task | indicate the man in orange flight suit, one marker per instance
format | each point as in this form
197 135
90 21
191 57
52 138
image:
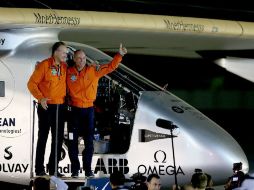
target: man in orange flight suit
82 83
48 85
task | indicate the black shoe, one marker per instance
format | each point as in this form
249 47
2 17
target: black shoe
42 173
89 174
75 175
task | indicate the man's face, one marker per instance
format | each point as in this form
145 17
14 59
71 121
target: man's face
61 53
80 59
154 184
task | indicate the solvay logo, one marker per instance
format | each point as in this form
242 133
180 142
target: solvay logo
8 154
10 166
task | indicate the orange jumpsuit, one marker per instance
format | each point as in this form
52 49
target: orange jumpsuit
82 90
49 81
82 86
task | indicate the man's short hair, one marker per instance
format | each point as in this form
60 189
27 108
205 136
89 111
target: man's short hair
237 166
199 180
41 183
56 46
79 50
117 178
151 176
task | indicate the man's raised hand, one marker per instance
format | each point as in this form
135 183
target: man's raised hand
122 50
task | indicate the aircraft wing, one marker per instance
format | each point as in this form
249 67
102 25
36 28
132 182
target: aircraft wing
158 35
141 33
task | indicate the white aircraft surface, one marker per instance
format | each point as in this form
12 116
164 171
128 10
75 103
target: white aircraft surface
140 133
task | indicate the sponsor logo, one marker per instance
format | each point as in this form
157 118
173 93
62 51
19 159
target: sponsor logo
63 169
111 165
7 122
54 72
106 166
8 154
159 167
12 167
177 109
8 127
194 113
184 27
2 40
56 19
99 184
73 78
147 135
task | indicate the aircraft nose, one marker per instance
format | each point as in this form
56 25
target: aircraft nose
213 149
